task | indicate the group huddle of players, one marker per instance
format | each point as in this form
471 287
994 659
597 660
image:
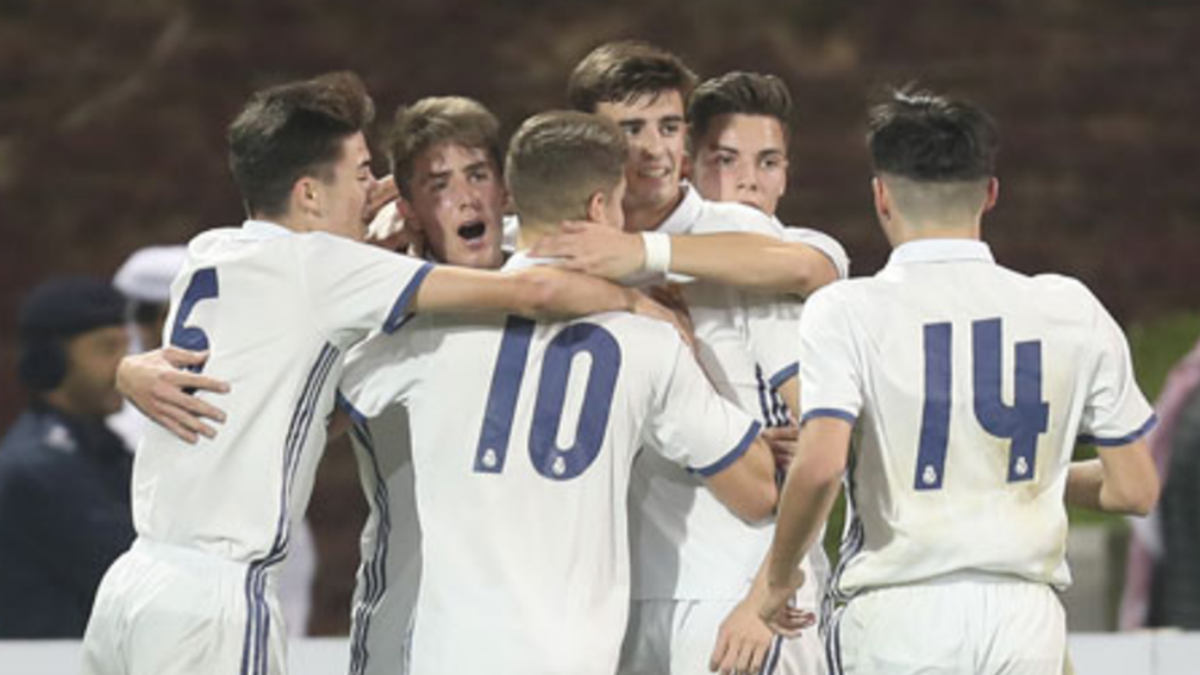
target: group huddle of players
571 475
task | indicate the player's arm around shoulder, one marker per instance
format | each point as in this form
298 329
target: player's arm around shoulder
745 248
536 292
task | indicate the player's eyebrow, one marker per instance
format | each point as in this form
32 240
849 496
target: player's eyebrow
475 166
725 148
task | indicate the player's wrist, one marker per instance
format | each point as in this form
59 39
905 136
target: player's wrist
656 251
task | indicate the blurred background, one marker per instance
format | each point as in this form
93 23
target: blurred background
112 121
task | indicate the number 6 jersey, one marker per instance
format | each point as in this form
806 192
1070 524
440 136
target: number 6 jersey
969 385
523 438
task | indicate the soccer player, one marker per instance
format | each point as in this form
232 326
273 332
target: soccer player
739 132
693 560
276 303
966 387
524 436
446 161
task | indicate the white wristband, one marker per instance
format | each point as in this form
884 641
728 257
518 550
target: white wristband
658 252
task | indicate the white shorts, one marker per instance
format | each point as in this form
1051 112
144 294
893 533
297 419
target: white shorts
677 637
164 609
963 623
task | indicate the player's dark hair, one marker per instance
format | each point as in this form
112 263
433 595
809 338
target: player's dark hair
440 119
618 72
291 131
557 160
925 137
738 93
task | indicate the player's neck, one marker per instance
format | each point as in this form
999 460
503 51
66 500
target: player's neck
902 233
531 232
649 217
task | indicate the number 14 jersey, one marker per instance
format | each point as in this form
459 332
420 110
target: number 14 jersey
969 385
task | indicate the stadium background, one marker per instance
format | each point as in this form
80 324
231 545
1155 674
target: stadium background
112 118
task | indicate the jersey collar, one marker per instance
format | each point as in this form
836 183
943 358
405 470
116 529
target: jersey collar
522 260
686 214
264 229
941 250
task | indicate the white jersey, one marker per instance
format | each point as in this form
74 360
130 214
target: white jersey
385 591
686 544
970 385
276 310
523 438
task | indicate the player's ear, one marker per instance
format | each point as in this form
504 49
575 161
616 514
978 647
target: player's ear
597 204
306 196
883 205
406 210
993 193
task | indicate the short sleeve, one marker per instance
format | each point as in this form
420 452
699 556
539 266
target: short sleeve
692 425
380 372
1116 411
823 243
830 375
356 289
773 327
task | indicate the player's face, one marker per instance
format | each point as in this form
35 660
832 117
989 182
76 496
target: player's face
343 198
92 359
742 158
655 128
458 200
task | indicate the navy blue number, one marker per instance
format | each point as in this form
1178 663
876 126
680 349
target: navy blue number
1028 416
935 418
1022 422
502 400
202 287
548 459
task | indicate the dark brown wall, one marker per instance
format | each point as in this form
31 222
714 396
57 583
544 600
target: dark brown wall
112 117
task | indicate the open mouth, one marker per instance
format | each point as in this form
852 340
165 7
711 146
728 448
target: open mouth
472 231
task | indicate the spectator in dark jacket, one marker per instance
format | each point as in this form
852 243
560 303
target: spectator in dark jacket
64 476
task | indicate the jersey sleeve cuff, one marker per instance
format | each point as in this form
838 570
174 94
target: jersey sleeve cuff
345 404
784 375
1123 440
829 412
732 456
399 313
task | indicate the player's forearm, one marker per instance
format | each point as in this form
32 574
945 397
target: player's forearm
752 261
808 494
558 293
1091 485
804 506
534 292
1085 479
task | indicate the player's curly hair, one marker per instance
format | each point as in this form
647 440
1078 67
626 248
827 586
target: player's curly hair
291 131
618 72
440 119
930 138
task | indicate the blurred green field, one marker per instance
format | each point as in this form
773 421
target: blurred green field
1156 346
